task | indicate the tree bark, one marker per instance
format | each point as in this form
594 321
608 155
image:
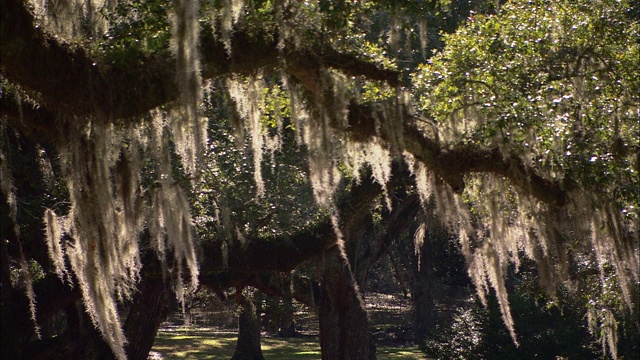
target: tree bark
248 346
68 81
287 324
422 296
344 325
145 316
78 339
85 85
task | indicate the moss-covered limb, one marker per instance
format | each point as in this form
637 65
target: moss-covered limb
272 283
400 218
36 122
280 253
269 255
451 164
248 53
354 66
270 274
69 80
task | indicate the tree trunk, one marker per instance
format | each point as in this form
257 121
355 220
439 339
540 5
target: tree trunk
83 341
145 316
287 323
14 307
248 346
79 339
422 296
344 325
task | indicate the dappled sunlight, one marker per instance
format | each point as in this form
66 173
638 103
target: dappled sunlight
209 343
461 175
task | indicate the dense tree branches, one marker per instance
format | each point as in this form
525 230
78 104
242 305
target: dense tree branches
452 163
288 252
510 150
68 79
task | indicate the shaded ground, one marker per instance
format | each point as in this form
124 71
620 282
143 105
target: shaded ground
212 334
208 343
391 319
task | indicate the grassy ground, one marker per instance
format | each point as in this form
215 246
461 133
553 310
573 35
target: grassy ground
207 343
215 335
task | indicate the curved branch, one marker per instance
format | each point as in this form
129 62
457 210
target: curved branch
69 80
276 284
451 164
285 253
354 66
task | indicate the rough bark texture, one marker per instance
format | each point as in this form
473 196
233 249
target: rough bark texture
344 325
145 315
68 81
248 346
424 310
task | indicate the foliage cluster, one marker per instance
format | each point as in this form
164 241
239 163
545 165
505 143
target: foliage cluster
554 82
549 86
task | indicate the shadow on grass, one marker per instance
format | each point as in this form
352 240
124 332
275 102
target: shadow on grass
199 343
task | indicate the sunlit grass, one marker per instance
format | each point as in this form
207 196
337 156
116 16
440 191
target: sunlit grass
404 353
194 343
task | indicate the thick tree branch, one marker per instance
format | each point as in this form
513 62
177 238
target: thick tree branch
285 253
274 284
451 164
402 216
352 65
68 80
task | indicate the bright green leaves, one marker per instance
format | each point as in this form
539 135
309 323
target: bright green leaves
137 28
555 83
373 91
226 205
276 107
